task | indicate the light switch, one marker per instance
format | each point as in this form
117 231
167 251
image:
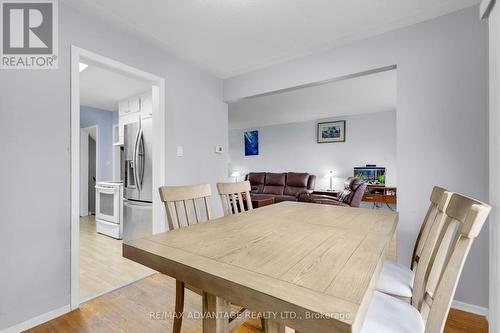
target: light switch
180 151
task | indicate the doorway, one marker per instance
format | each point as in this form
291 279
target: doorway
89 136
97 153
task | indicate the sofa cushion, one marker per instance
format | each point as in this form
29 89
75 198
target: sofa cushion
257 196
275 183
257 180
295 191
296 183
277 179
297 179
273 189
326 200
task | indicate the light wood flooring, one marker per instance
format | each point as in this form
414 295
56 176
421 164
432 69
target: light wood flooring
133 309
102 267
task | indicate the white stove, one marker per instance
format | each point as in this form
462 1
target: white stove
109 212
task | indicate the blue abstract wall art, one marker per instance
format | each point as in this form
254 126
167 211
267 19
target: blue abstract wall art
251 143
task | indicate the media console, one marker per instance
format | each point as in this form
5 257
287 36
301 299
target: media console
380 194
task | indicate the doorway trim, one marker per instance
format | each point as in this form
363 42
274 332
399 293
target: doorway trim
159 152
489 11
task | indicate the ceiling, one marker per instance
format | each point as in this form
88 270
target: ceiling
102 88
230 37
364 94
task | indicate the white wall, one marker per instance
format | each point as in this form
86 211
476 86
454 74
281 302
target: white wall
370 139
442 116
35 136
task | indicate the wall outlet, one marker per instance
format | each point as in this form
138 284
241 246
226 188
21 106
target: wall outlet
180 151
219 149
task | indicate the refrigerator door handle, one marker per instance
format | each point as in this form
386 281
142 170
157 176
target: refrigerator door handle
141 158
136 164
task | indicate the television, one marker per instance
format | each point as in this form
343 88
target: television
371 174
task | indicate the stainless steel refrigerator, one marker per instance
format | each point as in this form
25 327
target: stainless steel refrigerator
138 188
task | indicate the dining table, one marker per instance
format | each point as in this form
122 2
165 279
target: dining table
301 266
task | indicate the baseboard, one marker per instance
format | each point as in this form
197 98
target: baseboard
30 323
43 318
479 310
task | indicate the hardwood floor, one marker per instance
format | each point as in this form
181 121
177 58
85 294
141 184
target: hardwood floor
465 322
144 307
102 266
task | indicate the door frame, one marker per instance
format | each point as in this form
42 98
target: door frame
86 156
489 11
159 152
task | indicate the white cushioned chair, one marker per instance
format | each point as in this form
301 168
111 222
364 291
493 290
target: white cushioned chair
461 220
397 279
388 314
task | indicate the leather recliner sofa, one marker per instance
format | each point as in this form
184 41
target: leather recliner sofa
287 186
351 196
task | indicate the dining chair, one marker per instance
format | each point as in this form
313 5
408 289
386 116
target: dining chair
462 220
185 206
397 279
234 196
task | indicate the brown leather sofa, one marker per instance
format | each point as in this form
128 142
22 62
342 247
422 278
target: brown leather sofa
287 186
351 196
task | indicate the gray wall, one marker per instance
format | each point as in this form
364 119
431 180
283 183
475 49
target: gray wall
104 120
35 146
442 117
370 139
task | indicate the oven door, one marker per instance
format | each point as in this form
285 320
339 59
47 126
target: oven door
107 203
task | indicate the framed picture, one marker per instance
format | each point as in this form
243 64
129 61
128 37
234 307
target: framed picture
331 131
251 143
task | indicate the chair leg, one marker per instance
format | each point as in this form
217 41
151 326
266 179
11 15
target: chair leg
179 306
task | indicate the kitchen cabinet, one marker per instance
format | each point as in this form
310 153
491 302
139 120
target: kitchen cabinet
123 107
130 111
147 105
134 104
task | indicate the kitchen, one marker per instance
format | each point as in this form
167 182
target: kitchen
115 176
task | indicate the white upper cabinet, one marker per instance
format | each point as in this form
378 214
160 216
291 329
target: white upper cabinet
134 104
130 110
123 107
146 105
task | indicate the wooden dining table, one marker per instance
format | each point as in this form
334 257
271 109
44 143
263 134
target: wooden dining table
309 267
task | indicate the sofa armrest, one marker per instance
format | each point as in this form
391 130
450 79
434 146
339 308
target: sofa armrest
304 196
338 203
304 192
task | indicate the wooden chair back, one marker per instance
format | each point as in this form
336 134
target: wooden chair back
462 219
184 204
436 196
425 260
233 196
